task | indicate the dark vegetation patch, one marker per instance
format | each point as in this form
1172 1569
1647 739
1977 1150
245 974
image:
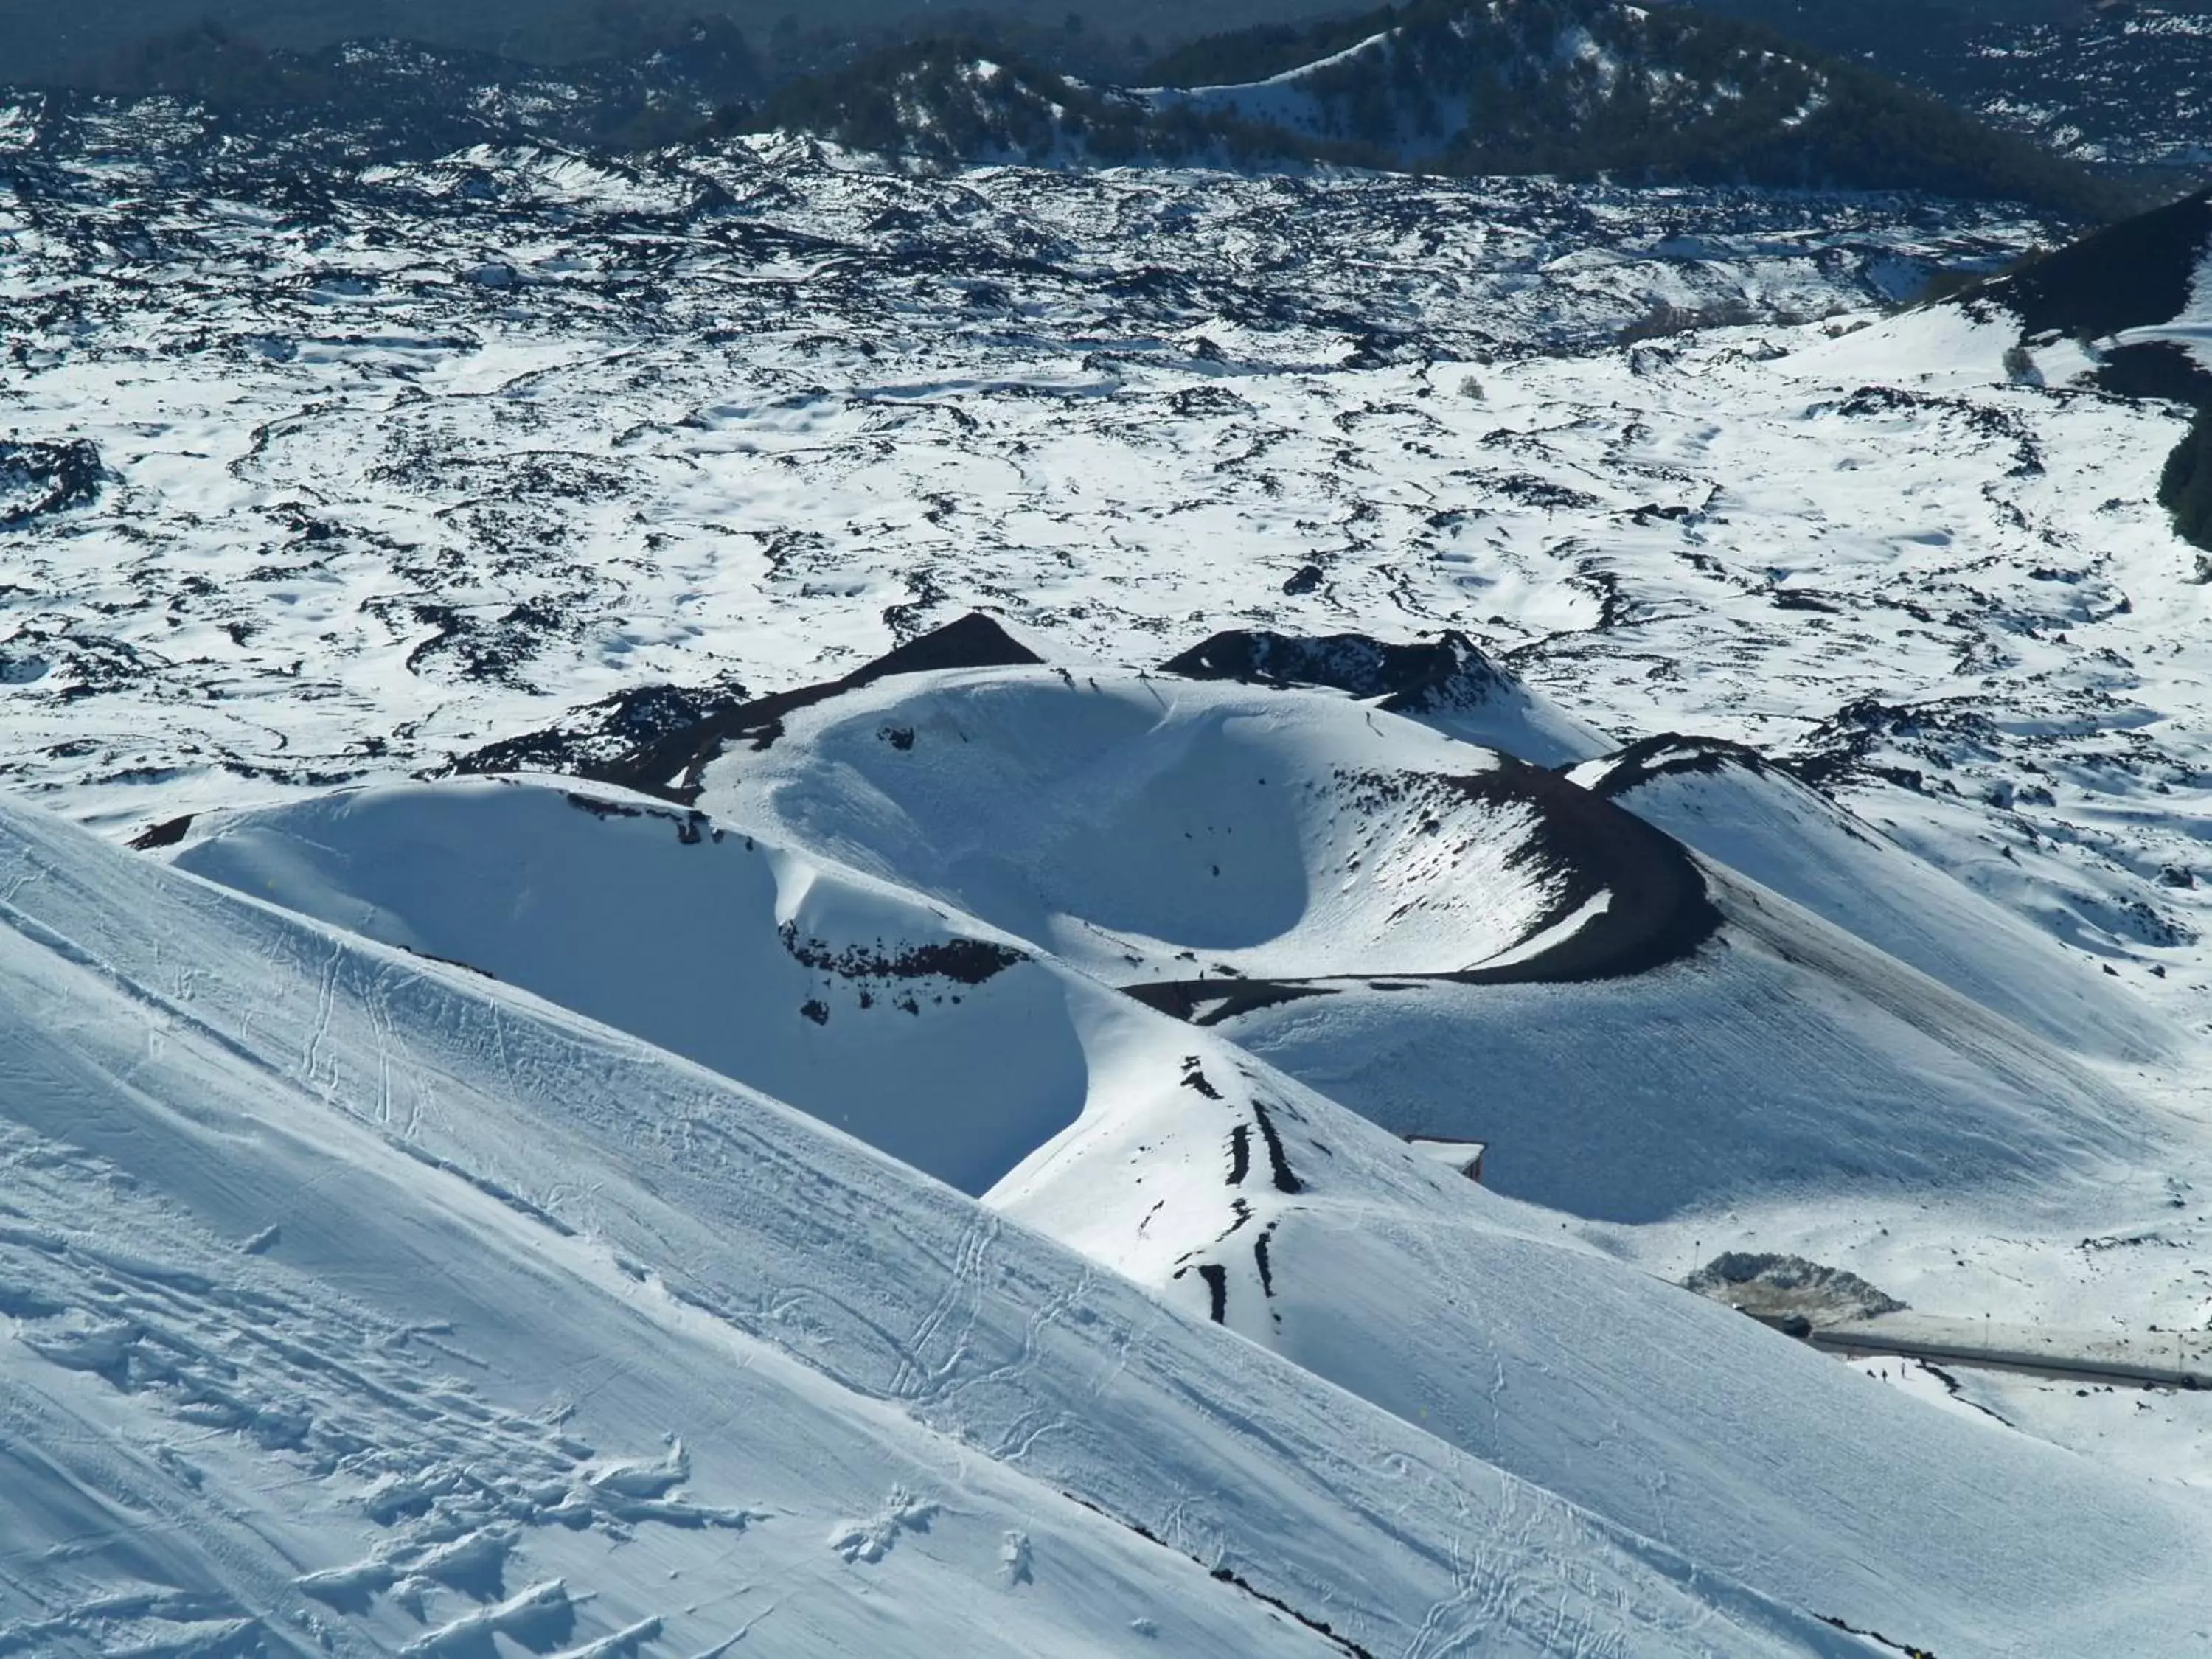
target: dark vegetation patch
963 961
2185 488
1696 98
1457 86
2134 273
633 75
2157 369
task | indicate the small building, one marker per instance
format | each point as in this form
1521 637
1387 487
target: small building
1464 1156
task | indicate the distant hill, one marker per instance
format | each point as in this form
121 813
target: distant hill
73 45
950 101
1584 87
1577 88
2128 310
2116 84
404 97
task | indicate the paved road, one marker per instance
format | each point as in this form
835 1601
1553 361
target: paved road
2169 1359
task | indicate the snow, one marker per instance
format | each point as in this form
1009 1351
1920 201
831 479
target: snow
643 1273
514 1249
1317 1205
1155 821
1765 825
595 899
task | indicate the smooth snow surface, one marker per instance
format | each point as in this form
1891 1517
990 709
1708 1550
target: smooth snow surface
1244 1198
1766 825
359 1305
1152 826
1786 1060
851 999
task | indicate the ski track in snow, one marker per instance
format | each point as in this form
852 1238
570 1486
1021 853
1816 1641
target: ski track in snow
819 1326
748 418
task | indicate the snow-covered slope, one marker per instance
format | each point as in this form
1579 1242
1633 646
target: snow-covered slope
851 999
1164 829
1785 1061
1244 1197
1412 1288
1729 804
1347 892
319 474
359 1304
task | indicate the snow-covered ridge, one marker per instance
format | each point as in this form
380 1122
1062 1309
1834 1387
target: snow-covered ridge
1244 1197
396 1379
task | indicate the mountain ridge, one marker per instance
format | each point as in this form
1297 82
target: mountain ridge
1577 88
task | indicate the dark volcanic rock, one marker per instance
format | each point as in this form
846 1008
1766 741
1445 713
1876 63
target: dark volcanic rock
1787 1284
601 733
40 479
1658 908
670 765
1427 678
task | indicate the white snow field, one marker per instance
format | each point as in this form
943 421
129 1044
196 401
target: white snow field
358 1304
1728 803
1147 826
1165 1154
795 1155
1222 835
